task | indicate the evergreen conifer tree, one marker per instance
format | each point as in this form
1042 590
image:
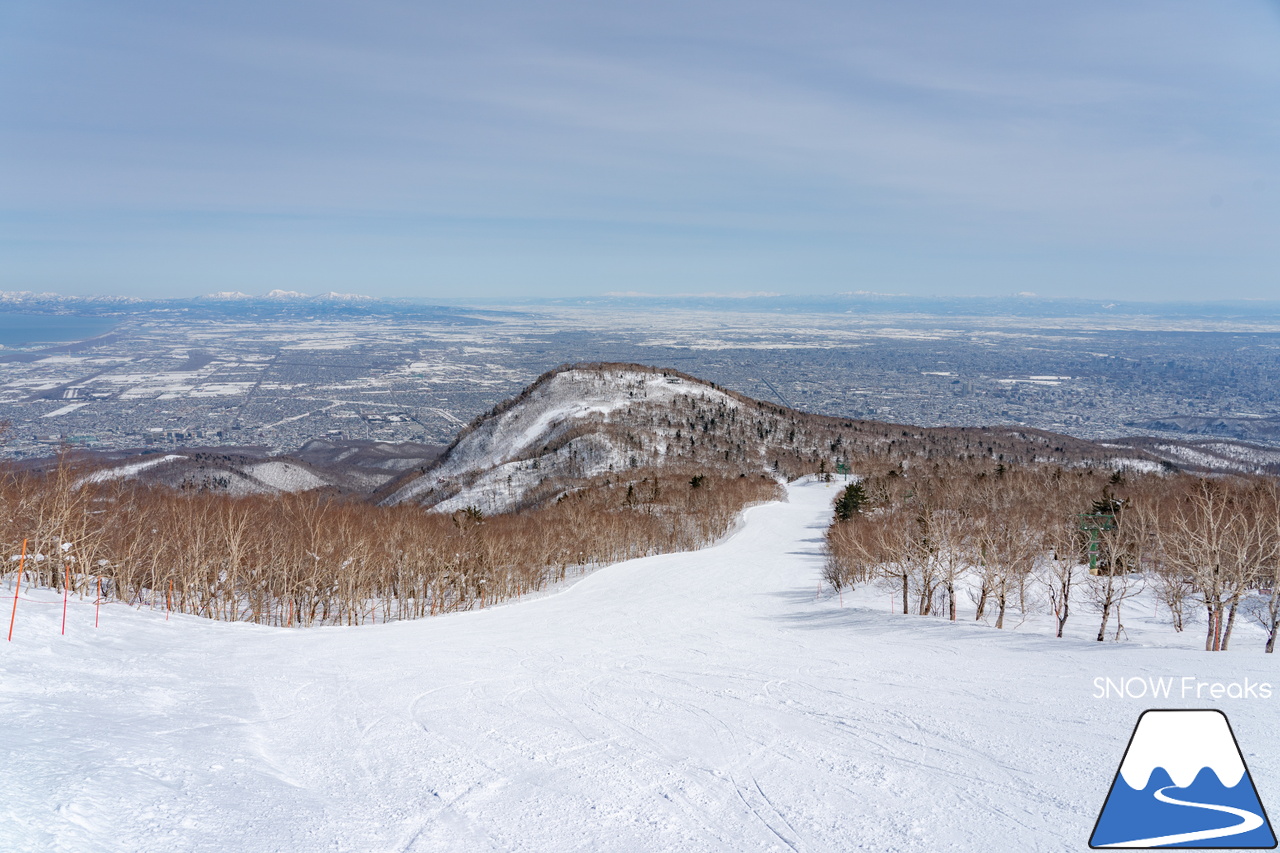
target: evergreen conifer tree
850 501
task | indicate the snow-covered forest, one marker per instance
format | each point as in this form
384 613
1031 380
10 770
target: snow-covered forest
968 539
316 559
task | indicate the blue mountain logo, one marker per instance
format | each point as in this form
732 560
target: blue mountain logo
1183 783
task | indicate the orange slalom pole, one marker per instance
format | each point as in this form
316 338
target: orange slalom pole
22 562
66 590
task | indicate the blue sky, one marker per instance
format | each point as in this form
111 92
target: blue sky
1111 148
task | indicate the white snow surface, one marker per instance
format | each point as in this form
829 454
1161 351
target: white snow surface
130 469
285 476
707 701
1183 743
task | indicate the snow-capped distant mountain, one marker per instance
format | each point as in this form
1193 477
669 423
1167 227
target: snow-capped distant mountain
236 305
17 296
27 299
333 296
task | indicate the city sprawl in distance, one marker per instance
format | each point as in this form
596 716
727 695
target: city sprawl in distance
273 373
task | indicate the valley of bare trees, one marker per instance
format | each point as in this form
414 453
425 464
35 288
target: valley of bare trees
969 539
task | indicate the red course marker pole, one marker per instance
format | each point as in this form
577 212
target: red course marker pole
22 562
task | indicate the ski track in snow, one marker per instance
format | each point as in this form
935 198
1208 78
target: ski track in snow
686 702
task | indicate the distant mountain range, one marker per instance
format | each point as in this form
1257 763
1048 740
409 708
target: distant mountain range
234 304
1026 305
331 296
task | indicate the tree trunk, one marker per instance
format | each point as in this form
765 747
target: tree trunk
1274 623
1000 600
1102 629
905 595
951 600
1231 621
1066 604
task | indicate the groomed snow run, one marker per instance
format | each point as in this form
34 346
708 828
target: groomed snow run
708 701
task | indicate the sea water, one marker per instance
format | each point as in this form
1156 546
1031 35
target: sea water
26 330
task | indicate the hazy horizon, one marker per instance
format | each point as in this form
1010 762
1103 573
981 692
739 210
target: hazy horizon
15 300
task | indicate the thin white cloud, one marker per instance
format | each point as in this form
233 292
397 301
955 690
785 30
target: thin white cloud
1091 128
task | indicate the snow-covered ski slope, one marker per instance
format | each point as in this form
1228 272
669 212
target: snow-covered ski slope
687 702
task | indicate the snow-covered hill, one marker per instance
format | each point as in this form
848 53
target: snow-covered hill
706 701
231 474
593 420
358 467
1223 455
572 424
